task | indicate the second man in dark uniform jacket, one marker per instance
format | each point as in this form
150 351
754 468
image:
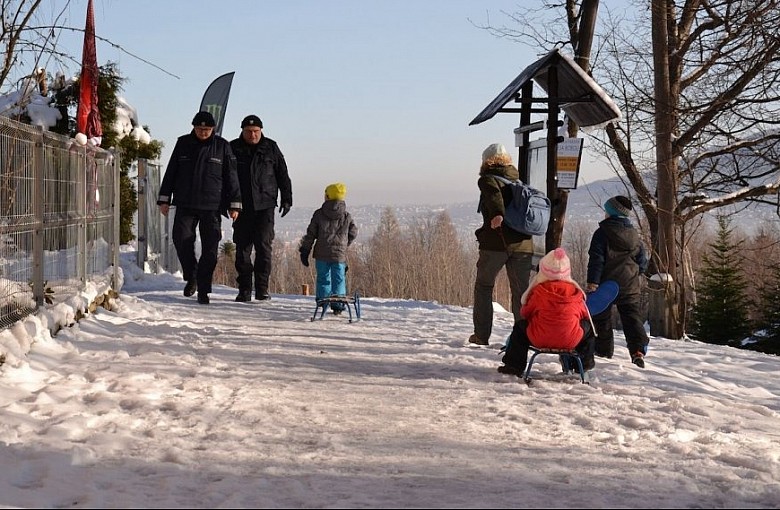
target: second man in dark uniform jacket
262 174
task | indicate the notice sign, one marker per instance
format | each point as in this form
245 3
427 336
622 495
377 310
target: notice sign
568 158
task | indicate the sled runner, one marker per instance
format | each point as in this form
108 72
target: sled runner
569 358
570 362
351 303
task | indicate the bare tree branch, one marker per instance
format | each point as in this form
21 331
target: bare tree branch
113 44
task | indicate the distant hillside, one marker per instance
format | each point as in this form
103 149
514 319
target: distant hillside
464 215
584 204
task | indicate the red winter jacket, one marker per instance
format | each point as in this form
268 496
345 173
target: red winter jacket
553 311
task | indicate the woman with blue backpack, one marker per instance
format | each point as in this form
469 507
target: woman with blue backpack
499 245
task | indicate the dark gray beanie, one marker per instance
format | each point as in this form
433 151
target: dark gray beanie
618 206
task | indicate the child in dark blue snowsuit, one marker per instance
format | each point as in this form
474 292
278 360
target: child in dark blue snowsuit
616 253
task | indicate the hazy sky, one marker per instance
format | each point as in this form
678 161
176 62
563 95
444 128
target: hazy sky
377 94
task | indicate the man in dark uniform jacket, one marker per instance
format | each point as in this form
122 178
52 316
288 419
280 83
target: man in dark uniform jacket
202 183
262 174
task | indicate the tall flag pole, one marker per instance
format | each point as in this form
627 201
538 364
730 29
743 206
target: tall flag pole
215 99
88 114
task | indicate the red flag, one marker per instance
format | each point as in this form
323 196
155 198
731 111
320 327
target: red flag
88 115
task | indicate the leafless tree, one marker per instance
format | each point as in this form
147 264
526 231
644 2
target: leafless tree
225 272
29 40
713 118
383 274
701 127
576 241
532 25
287 273
759 252
22 48
437 261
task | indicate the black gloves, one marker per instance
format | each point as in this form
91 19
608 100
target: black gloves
305 258
284 208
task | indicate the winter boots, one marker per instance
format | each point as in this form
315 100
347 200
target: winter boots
244 296
511 370
474 339
190 288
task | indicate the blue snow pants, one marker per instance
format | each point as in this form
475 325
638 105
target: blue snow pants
331 280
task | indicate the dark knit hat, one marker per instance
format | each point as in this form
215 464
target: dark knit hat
251 120
203 119
618 206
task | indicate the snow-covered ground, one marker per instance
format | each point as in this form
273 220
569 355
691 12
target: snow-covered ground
165 403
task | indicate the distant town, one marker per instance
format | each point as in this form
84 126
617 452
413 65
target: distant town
585 204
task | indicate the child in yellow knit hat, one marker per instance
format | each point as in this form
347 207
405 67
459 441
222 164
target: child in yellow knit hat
329 233
336 191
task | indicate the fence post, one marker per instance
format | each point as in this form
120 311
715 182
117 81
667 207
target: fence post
172 264
38 209
115 204
142 229
82 182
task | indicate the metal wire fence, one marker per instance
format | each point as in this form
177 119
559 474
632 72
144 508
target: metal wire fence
155 251
59 218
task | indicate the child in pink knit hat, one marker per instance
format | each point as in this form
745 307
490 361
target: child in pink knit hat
553 316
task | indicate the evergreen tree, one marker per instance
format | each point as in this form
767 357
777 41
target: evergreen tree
720 315
769 340
130 149
228 249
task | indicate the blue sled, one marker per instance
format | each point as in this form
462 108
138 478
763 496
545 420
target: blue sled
601 298
351 303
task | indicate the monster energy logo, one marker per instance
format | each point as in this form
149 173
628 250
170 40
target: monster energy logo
216 111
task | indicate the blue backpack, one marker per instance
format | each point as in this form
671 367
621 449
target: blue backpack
528 212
